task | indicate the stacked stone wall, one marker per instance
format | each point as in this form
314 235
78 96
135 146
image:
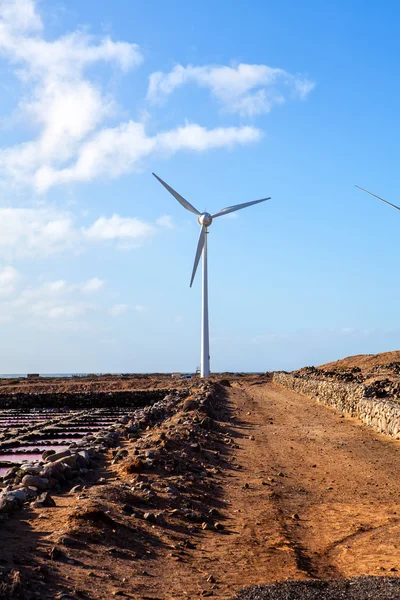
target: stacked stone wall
382 415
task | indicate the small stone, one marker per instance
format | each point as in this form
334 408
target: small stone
149 516
45 500
206 525
218 526
67 541
76 488
47 453
55 553
225 382
40 483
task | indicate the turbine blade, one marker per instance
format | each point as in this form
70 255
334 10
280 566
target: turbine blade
230 209
199 250
181 200
379 198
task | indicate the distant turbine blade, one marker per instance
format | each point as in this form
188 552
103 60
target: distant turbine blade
199 250
182 201
379 198
230 209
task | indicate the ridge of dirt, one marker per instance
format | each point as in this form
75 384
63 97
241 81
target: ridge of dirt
365 362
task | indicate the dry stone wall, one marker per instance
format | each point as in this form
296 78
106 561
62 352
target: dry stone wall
382 415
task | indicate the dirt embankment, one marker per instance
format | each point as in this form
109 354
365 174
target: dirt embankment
364 362
379 374
254 485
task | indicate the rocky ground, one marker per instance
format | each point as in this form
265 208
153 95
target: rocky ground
241 490
91 384
380 373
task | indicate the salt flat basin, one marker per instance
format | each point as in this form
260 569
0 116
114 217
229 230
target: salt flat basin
18 458
52 441
24 450
77 435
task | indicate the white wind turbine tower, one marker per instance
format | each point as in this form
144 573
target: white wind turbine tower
204 220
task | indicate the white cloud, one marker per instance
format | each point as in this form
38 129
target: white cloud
246 89
120 309
68 109
128 231
120 149
45 231
35 232
8 279
50 300
93 285
139 308
60 287
60 102
197 138
165 221
69 311
20 15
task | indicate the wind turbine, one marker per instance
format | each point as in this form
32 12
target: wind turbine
204 220
379 198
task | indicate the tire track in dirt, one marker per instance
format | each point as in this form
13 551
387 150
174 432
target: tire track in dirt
338 497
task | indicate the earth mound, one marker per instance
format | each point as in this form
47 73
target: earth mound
365 362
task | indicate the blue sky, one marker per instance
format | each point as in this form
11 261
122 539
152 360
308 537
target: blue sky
228 102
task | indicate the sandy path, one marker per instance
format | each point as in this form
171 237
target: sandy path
316 495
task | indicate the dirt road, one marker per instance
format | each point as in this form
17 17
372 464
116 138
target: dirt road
314 495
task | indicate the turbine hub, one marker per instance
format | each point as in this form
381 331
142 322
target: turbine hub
205 219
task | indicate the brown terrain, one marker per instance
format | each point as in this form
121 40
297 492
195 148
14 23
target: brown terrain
255 486
90 383
365 362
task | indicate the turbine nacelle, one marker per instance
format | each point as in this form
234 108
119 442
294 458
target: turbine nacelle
204 220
